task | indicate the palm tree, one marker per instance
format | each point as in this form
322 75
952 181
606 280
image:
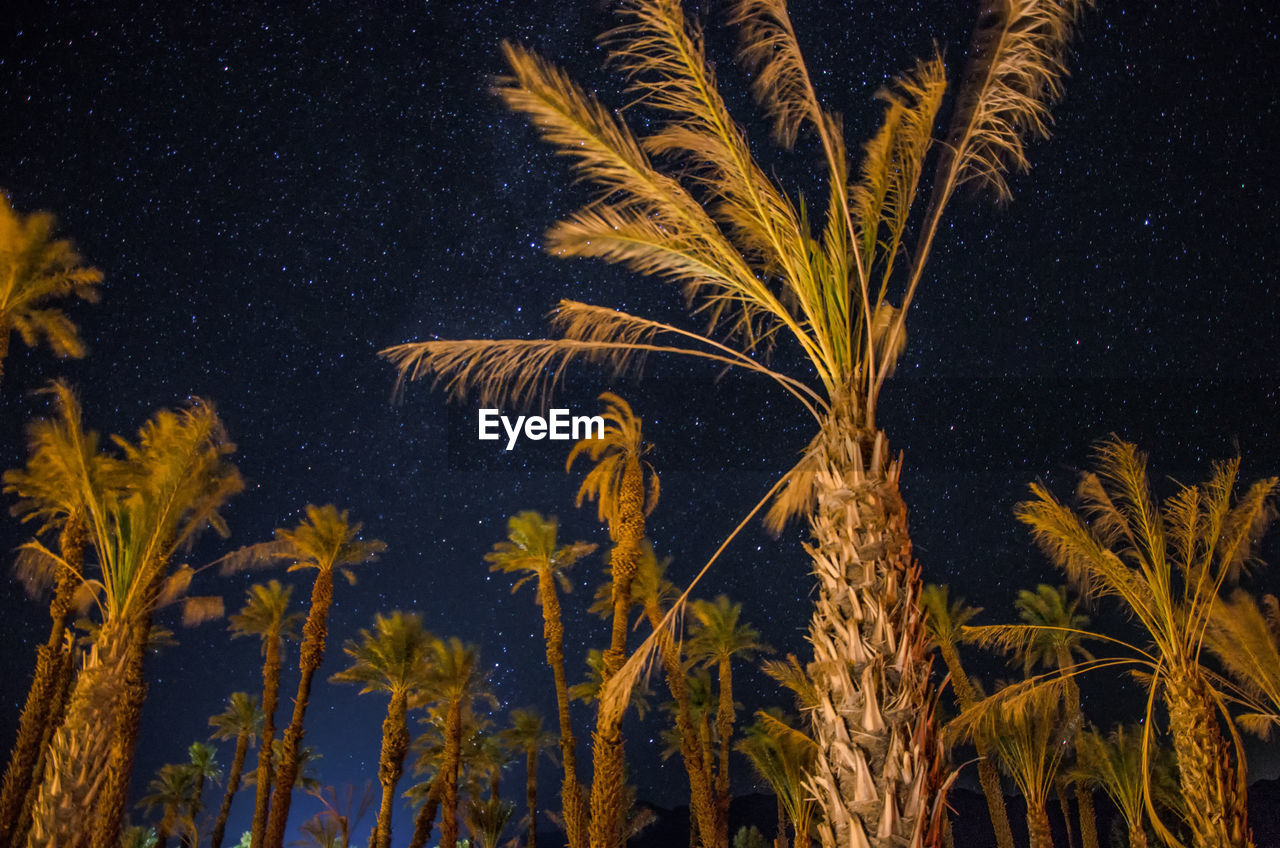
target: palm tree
1117 764
1166 565
1246 642
747 259
945 620
391 658
325 540
205 767
432 745
783 756
63 472
35 269
486 820
531 549
617 483
266 616
527 736
173 790
175 478
242 721
455 680
716 638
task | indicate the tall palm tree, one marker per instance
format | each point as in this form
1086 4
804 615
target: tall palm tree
64 471
531 549
527 736
391 658
1166 564
946 617
176 476
173 790
747 259
242 721
327 541
266 616
456 681
717 636
431 746
35 269
617 482
203 762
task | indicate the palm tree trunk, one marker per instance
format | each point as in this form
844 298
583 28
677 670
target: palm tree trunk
38 713
233 786
449 772
426 815
1084 797
314 634
701 801
1137 837
572 802
1039 834
531 795
877 768
57 715
270 698
780 840
395 745
1215 796
724 729
988 774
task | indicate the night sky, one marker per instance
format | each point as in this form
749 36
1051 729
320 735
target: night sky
274 196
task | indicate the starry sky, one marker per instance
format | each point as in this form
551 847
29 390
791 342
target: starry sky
274 196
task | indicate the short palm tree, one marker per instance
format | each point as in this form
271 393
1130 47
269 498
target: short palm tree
204 764
527 736
743 252
390 658
35 270
718 636
532 550
241 721
64 472
486 820
456 681
266 616
783 756
1117 764
327 541
173 790
175 478
1166 565
946 617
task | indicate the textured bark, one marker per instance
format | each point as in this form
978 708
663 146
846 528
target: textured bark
1084 797
233 786
395 745
1137 837
449 773
1214 792
266 765
573 805
531 796
879 756
607 785
701 801
426 817
40 713
780 840
314 634
1038 832
57 716
724 730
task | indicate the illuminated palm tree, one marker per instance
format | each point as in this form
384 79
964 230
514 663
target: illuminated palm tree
328 542
486 820
946 617
531 550
527 736
64 471
456 681
1166 565
747 259
1247 643
431 746
716 638
783 756
175 478
202 759
1117 764
173 790
241 721
266 616
391 658
617 483
35 269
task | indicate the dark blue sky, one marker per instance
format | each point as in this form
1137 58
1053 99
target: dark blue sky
276 195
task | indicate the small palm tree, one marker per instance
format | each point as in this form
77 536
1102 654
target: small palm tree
173 790
716 638
486 820
531 550
266 616
1117 764
35 269
241 721
783 756
527 736
204 764
327 541
391 658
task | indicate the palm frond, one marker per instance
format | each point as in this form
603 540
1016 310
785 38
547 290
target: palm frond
199 609
768 49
